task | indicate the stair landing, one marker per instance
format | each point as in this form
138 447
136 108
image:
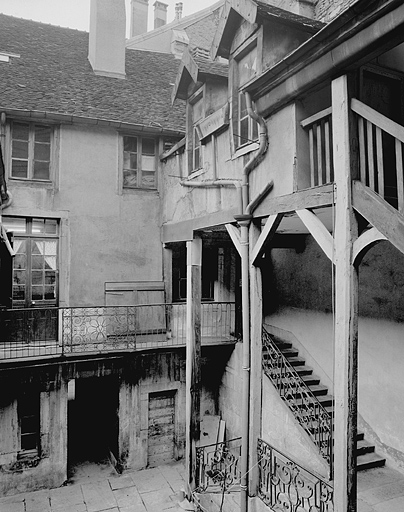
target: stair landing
380 490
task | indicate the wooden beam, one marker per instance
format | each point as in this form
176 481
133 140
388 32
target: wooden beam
309 198
184 230
265 237
368 239
346 308
235 236
319 231
255 360
379 213
193 355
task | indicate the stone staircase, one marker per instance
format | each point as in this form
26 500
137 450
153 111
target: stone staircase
366 458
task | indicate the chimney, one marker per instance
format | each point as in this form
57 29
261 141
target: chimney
160 14
178 11
106 47
138 19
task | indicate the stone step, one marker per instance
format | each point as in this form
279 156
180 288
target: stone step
310 380
368 461
296 361
363 447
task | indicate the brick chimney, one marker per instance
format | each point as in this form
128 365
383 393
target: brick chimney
178 11
160 14
138 19
106 47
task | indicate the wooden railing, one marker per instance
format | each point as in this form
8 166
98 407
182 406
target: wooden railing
380 154
320 147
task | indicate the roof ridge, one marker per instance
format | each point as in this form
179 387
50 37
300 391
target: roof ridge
42 23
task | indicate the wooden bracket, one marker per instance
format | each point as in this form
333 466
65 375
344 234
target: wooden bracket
367 239
265 237
319 231
234 233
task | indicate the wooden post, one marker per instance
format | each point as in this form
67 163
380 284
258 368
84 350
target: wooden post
255 361
346 307
193 355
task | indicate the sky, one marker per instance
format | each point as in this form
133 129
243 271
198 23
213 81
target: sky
76 13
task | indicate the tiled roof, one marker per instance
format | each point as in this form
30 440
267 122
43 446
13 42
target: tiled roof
267 10
202 32
54 75
210 67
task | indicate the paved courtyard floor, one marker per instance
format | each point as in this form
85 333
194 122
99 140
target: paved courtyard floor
97 488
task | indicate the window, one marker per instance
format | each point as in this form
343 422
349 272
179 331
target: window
245 129
195 114
30 151
209 273
35 266
29 423
139 163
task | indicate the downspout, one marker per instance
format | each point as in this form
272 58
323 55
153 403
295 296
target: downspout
244 221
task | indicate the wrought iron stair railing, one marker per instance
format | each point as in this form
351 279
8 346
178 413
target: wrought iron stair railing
218 467
306 407
285 486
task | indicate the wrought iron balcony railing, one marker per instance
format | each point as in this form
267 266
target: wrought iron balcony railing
285 486
52 332
218 468
309 412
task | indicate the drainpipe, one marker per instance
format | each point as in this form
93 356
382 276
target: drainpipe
244 221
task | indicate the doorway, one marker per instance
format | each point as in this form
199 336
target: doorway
161 434
93 423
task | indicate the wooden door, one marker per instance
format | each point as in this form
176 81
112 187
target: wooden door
161 433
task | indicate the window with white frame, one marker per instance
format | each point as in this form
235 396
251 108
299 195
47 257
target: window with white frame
245 129
139 162
30 151
195 114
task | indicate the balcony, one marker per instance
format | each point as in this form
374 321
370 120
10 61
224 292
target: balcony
63 332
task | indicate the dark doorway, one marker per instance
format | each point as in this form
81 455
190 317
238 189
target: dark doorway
93 420
161 433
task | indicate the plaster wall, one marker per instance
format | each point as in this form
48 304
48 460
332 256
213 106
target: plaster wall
299 300
107 234
49 469
230 395
280 429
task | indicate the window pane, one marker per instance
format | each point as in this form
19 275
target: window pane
148 163
148 147
20 131
37 293
18 292
42 152
29 424
19 277
37 262
197 158
19 169
20 149
16 225
50 262
130 144
51 227
20 261
29 441
37 277
50 293
50 247
247 66
129 161
38 226
244 131
130 179
50 277
41 170
148 179
42 133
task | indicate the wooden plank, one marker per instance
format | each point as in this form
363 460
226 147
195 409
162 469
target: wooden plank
309 198
265 237
379 159
346 308
255 359
316 117
369 129
319 231
235 236
361 245
400 176
319 155
362 151
193 355
327 152
312 164
379 213
374 117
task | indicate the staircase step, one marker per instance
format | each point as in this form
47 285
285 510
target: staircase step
281 344
360 436
296 361
310 380
326 400
317 390
290 352
363 447
301 370
368 461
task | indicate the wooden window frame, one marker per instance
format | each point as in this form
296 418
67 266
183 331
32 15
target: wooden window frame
139 154
33 415
31 141
194 145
